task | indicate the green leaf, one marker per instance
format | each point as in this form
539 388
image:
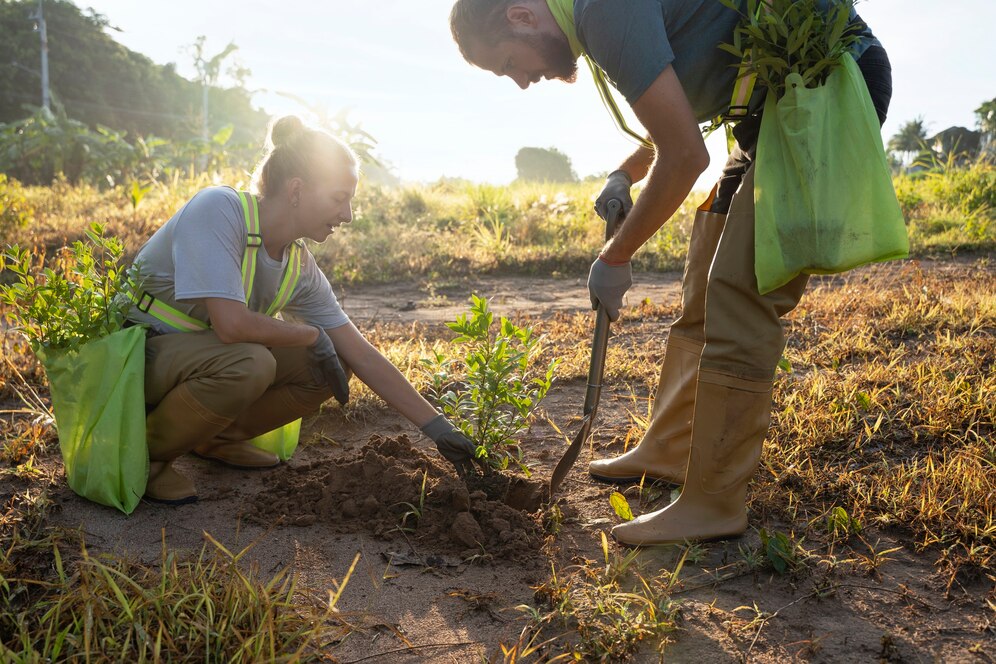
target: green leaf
621 506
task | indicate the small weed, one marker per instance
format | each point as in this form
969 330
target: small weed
414 511
781 551
841 525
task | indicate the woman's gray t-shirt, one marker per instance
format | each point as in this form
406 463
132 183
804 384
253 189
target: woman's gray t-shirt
198 254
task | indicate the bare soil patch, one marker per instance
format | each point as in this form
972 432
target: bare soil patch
394 491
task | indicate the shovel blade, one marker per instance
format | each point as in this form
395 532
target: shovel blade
570 456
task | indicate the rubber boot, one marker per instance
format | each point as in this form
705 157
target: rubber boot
731 420
662 454
277 407
165 485
174 428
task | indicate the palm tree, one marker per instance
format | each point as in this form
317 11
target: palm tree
987 125
909 141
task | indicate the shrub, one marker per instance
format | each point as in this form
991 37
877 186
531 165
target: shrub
72 300
15 212
491 391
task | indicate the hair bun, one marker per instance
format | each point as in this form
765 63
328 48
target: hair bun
285 130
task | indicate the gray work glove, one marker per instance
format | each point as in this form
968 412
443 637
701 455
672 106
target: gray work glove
617 185
607 284
326 368
452 444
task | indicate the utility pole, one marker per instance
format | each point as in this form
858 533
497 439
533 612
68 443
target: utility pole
39 18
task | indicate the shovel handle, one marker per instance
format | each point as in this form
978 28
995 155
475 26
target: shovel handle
600 341
596 368
613 217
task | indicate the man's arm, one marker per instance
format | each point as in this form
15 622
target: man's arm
638 164
681 156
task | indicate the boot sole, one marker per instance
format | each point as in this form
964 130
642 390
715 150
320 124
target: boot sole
633 480
172 501
231 464
697 540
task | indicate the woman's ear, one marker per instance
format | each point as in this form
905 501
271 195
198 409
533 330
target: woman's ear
293 191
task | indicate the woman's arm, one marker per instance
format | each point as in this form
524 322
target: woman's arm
380 375
233 322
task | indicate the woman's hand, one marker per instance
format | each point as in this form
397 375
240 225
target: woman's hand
326 368
452 444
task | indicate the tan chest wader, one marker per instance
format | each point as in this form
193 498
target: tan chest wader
662 453
709 415
281 441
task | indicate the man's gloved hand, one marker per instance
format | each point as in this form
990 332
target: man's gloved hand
326 368
607 283
452 444
617 185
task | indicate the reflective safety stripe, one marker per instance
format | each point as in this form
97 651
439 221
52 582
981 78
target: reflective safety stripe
254 240
602 83
149 304
176 319
743 90
291 276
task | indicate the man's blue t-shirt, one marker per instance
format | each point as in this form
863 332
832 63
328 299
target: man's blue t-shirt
633 41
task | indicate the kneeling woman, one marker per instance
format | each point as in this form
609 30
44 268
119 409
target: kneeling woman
220 369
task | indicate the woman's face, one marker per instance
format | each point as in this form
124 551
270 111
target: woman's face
326 203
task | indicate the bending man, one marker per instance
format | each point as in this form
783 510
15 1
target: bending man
712 407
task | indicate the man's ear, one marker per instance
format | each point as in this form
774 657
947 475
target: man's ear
520 16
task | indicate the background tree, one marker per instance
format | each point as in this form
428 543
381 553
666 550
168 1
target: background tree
986 114
544 165
100 82
910 141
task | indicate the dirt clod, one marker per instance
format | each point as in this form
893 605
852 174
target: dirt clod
379 490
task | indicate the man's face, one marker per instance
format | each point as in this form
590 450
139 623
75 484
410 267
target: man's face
528 57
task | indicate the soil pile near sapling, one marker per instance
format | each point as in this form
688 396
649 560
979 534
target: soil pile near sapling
372 490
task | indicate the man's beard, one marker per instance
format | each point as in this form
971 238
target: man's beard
557 55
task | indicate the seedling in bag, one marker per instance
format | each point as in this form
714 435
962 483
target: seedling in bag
73 299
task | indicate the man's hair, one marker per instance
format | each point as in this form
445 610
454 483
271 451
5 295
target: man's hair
476 22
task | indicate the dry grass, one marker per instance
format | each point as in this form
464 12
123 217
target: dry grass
884 428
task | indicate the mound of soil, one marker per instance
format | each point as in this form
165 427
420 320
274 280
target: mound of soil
379 490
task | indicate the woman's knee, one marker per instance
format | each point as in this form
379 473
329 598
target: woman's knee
248 368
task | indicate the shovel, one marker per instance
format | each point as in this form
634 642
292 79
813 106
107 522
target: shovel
595 369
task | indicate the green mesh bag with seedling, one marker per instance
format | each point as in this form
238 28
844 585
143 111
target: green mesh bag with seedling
823 194
70 313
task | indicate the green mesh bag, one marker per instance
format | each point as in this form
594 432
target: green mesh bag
98 395
823 194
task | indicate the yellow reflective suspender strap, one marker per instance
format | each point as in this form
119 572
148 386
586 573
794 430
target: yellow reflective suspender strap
610 103
149 304
176 319
254 240
292 273
743 90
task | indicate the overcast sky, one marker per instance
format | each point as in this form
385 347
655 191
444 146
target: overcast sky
394 64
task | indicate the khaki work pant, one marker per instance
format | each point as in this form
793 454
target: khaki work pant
199 389
722 307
